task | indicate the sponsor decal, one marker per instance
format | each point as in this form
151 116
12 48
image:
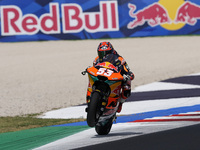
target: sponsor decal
73 19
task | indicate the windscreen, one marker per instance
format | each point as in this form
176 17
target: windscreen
113 59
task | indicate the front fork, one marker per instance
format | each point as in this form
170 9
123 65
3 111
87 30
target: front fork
103 101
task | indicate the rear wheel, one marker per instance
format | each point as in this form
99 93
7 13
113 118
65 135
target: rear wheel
93 111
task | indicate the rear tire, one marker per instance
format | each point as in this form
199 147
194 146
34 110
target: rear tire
93 112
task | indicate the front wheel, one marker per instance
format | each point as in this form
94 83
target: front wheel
104 129
93 111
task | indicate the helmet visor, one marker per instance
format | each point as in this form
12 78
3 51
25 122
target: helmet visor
102 54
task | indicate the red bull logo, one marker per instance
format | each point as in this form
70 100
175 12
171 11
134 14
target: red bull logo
74 19
188 13
169 14
107 65
154 15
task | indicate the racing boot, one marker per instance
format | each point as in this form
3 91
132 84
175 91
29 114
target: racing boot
126 92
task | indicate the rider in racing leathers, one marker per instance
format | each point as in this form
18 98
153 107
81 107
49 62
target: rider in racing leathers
103 50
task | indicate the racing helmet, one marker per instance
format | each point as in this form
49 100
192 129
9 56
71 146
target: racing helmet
103 49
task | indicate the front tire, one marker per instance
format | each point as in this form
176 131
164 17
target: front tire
104 129
93 112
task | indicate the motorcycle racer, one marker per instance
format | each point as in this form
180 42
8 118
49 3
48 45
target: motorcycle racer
103 51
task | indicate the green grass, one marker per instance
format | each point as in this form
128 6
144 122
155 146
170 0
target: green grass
11 124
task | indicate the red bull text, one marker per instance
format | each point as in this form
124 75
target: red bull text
74 20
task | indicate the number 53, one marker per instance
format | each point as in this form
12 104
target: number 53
104 71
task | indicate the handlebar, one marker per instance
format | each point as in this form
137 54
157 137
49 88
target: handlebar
84 72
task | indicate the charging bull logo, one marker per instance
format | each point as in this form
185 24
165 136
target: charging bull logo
169 14
188 13
154 14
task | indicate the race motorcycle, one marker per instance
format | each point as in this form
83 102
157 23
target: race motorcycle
105 82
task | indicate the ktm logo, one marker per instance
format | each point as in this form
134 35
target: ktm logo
170 14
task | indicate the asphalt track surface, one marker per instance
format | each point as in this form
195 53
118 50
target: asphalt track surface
172 128
184 138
